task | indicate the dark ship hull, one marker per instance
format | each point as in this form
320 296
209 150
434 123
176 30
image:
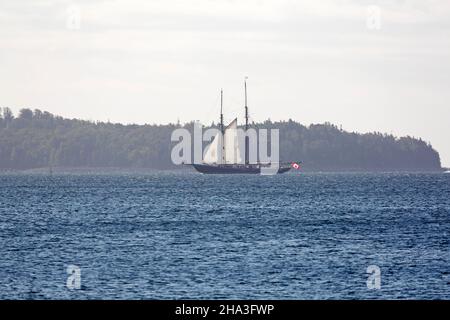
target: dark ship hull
233 169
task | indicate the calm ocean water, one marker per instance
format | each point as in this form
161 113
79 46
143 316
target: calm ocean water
185 235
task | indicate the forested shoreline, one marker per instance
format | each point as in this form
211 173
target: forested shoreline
39 139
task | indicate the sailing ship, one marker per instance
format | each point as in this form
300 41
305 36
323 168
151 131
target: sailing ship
229 161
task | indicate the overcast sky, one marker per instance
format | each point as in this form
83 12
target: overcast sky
366 65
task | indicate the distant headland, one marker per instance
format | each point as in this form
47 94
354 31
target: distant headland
39 139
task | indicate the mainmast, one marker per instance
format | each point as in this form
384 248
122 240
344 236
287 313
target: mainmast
246 123
221 113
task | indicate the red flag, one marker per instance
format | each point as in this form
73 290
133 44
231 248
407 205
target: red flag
296 166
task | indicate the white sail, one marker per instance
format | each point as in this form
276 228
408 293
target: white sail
211 154
232 148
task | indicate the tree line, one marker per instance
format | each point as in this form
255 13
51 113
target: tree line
37 139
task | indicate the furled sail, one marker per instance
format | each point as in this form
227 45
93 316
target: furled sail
232 148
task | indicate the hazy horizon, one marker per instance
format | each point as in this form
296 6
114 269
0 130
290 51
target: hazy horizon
341 62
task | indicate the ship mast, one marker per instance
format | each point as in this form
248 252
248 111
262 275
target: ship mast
221 126
246 123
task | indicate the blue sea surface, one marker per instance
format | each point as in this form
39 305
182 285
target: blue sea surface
169 235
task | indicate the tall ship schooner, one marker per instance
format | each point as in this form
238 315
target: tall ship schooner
229 161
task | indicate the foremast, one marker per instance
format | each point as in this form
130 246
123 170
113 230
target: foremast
222 128
246 125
